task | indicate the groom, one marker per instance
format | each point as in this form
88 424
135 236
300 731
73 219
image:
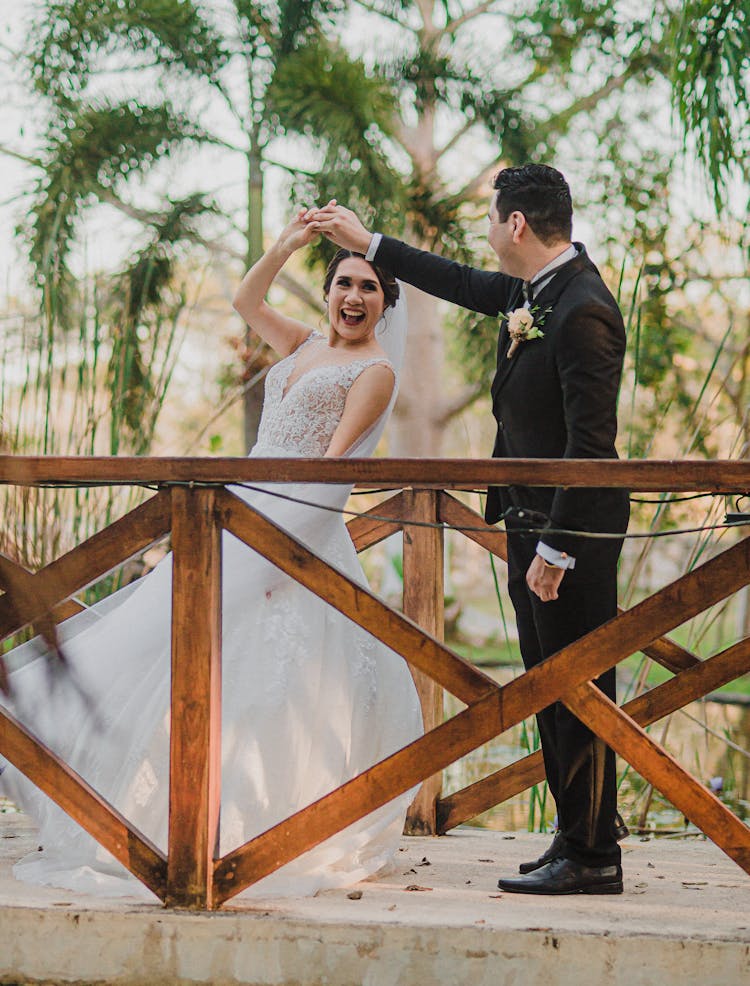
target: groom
560 351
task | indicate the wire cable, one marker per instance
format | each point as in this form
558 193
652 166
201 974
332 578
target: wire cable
539 525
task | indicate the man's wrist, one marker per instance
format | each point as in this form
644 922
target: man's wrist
553 558
372 249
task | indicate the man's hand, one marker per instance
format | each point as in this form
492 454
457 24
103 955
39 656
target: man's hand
544 580
340 225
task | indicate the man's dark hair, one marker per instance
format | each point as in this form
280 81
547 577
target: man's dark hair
541 194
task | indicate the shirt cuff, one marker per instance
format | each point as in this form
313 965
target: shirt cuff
560 559
373 247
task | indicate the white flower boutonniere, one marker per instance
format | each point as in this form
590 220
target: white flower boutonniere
524 324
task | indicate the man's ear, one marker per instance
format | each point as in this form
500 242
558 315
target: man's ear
518 225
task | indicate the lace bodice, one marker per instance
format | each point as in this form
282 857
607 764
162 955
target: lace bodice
300 419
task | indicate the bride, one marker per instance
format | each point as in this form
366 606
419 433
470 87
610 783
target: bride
310 699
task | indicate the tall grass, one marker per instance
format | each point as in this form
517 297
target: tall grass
83 378
660 559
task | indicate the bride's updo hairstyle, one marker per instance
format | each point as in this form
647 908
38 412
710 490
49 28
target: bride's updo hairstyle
387 281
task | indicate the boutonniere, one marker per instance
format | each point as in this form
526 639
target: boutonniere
524 324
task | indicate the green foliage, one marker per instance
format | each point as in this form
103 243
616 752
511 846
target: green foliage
302 21
121 79
711 80
554 34
71 37
545 80
92 150
61 393
320 91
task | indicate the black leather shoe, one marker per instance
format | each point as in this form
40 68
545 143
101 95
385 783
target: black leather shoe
547 856
619 830
564 876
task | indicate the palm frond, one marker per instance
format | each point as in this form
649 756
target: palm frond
71 37
711 86
91 148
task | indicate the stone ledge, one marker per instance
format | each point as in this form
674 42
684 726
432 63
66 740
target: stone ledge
684 918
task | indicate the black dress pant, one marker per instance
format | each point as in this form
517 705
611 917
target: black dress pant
580 767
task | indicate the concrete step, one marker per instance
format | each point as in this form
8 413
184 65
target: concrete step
684 918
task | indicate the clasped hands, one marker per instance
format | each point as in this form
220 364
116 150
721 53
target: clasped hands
340 225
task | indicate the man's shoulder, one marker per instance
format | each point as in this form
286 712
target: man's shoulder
585 313
586 291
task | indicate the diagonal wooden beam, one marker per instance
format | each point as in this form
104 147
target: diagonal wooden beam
691 685
59 612
661 770
92 559
583 660
603 648
456 514
79 800
670 654
658 702
577 664
369 529
397 631
358 797
494 789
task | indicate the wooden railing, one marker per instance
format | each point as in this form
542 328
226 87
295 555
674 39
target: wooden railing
193 504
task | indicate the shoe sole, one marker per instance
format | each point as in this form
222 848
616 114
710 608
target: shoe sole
598 888
605 888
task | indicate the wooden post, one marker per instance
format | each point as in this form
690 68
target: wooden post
195 732
423 603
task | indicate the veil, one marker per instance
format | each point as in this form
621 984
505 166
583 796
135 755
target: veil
390 332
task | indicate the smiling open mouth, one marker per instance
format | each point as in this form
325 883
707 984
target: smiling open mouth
352 318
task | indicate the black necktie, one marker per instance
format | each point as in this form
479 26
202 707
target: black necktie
528 291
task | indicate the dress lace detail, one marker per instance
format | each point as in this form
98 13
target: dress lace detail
309 699
300 418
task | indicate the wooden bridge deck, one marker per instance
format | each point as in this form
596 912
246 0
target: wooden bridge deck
684 919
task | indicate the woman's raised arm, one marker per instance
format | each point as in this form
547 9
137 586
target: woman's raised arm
280 332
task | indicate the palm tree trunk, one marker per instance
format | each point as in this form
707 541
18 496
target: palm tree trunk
417 428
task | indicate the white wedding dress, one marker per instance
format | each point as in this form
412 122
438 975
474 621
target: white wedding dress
309 699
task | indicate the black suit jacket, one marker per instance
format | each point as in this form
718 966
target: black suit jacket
556 397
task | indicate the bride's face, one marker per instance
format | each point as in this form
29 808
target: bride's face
355 302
